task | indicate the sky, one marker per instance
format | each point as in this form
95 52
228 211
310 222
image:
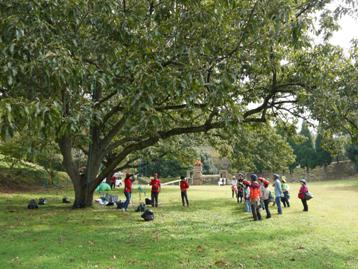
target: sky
348 31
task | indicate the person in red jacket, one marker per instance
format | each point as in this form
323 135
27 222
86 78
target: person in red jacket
301 194
113 182
127 190
184 186
155 183
255 197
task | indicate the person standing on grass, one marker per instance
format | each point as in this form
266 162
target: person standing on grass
127 190
266 197
255 198
278 193
184 186
155 183
113 182
247 195
286 196
262 188
301 194
233 187
240 188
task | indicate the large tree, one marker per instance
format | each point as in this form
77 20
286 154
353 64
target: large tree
112 78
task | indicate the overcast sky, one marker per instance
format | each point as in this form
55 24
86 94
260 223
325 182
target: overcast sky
348 31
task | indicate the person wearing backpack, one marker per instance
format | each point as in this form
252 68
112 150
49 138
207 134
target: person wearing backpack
301 194
127 191
184 186
278 193
255 198
155 183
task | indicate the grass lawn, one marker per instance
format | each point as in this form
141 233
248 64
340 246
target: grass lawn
213 233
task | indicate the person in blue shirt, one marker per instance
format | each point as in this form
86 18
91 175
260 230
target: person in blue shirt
278 193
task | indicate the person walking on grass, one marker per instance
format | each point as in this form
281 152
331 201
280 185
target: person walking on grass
127 191
155 183
255 198
247 195
286 195
301 194
278 193
233 187
184 186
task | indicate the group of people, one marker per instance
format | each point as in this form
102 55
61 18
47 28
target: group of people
155 190
256 194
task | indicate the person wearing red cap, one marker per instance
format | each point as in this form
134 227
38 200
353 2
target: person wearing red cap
266 194
184 186
255 198
155 183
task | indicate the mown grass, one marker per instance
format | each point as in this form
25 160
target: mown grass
213 233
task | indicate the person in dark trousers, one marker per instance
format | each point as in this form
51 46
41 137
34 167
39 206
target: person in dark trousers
255 198
127 190
184 186
285 199
266 197
301 194
155 183
113 182
278 193
240 188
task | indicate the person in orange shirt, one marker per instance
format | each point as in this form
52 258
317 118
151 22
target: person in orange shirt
184 186
155 183
255 197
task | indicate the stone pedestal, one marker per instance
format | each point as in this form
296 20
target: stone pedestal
197 179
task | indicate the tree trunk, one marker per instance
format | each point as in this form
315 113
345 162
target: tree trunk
83 194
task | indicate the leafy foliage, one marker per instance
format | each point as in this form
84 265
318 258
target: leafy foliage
114 78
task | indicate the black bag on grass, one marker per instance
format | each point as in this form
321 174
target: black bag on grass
119 204
65 200
32 204
42 201
148 215
148 201
140 208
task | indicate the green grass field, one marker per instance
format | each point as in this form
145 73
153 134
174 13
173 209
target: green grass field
213 233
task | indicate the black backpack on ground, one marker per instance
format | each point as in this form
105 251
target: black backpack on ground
140 208
148 201
32 204
119 204
42 201
65 200
148 215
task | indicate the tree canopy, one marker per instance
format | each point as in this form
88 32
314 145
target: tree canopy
114 78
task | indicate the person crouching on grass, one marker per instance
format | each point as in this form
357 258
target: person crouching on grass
155 183
184 186
255 198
